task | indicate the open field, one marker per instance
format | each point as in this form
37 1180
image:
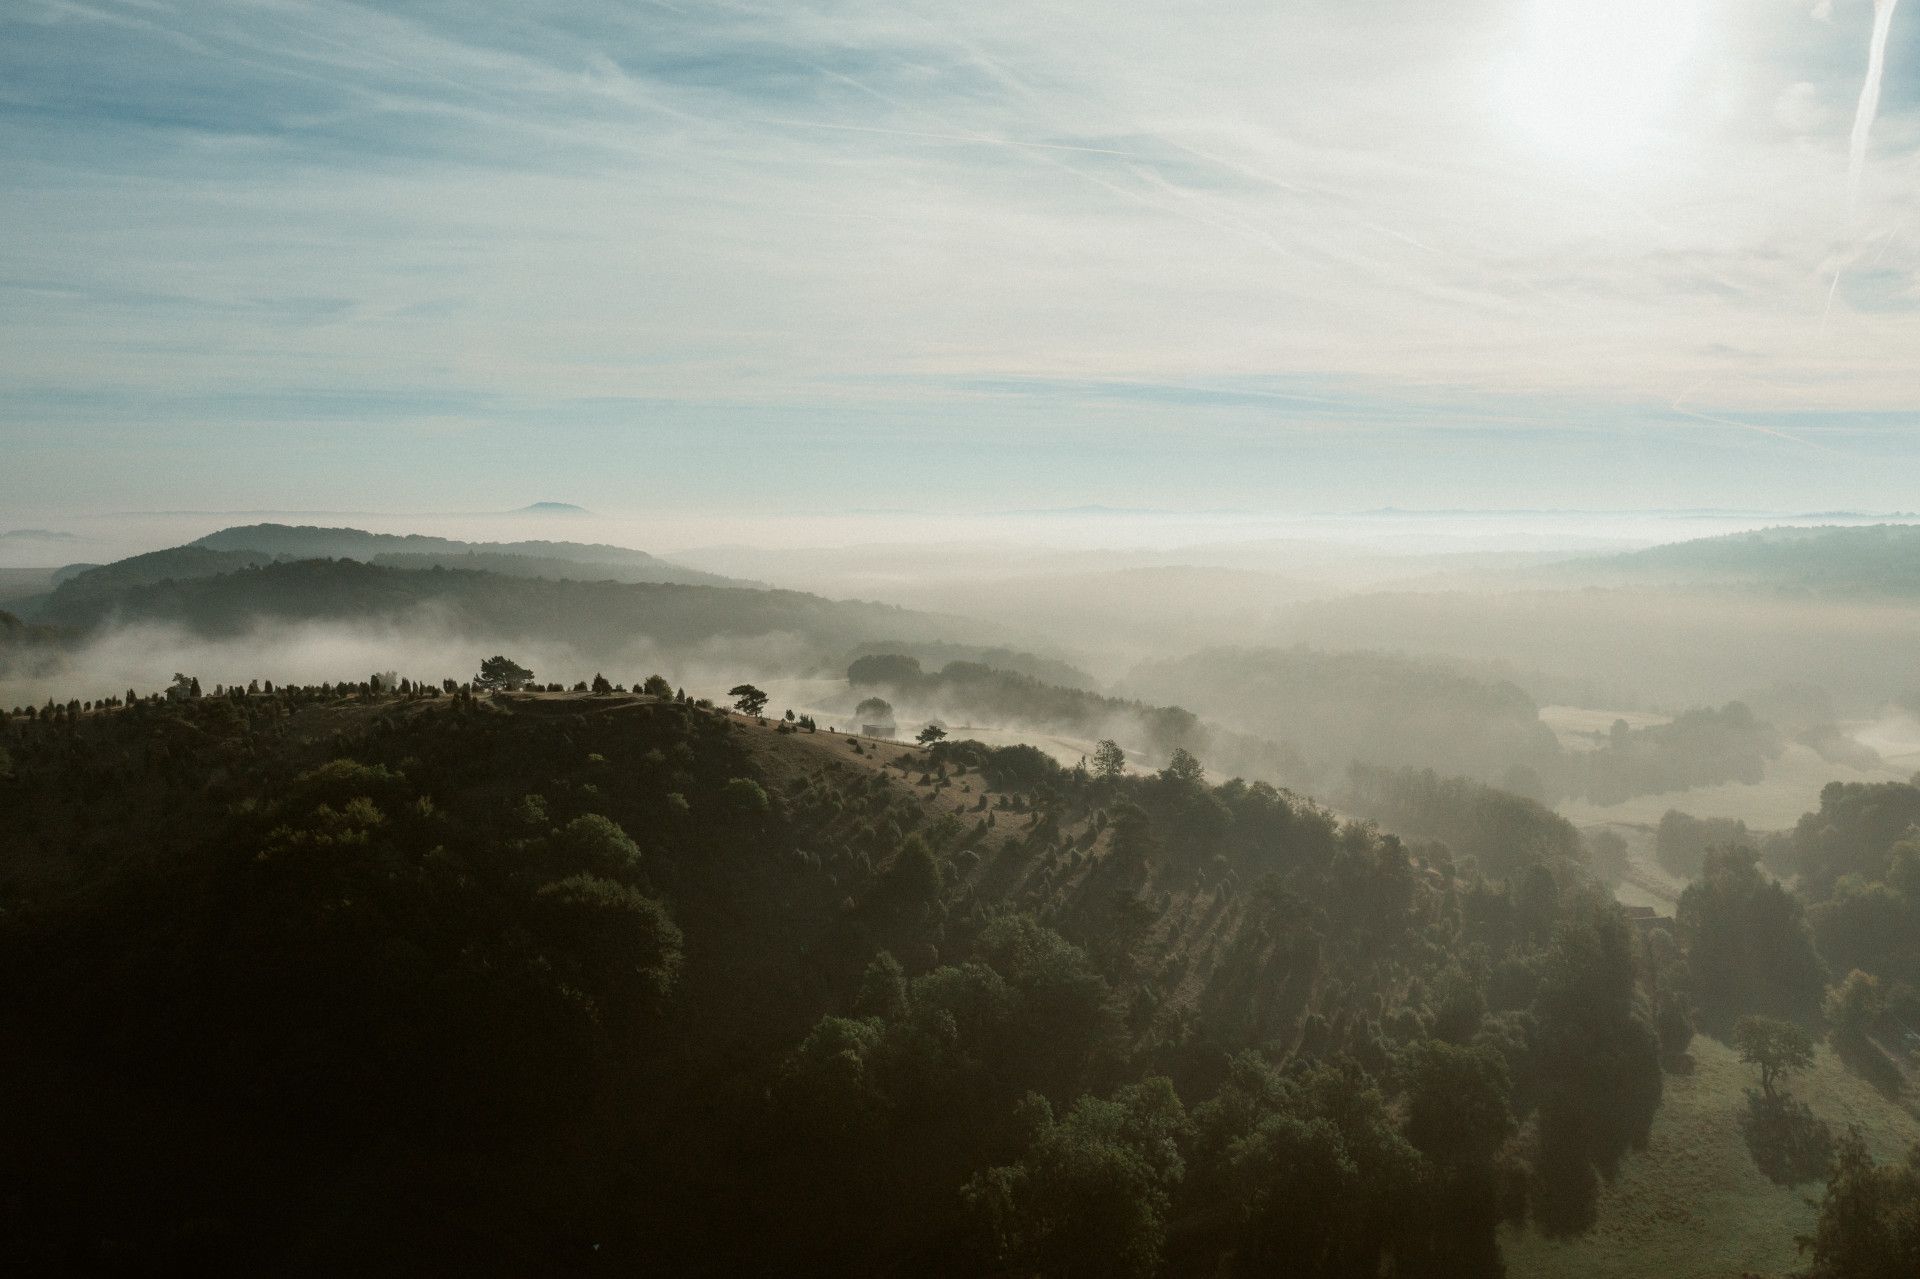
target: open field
1790 788
1896 736
1692 1205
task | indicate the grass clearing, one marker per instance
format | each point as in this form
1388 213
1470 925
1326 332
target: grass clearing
1692 1205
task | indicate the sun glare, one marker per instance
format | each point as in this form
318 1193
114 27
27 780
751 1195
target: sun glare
1594 83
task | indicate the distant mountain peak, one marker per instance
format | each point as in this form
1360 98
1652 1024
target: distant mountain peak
551 508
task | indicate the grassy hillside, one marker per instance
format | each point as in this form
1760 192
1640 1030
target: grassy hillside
1693 1205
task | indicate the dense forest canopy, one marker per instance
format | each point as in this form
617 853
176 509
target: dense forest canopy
993 1013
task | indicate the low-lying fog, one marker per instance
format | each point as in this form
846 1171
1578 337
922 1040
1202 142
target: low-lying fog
1193 610
908 547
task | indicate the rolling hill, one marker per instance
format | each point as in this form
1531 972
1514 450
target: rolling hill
414 550
592 616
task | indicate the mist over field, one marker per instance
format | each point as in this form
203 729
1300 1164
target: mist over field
1471 643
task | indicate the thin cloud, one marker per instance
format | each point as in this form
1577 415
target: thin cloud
812 209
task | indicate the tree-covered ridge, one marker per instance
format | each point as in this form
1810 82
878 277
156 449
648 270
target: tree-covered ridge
649 569
517 983
77 596
593 615
65 602
308 542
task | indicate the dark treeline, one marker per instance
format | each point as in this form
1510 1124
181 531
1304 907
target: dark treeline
308 542
1702 747
935 654
413 982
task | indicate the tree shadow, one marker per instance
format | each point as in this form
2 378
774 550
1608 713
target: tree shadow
1872 1063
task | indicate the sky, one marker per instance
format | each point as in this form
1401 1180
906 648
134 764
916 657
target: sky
829 255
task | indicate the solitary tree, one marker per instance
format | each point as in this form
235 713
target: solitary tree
1108 759
1185 766
747 699
657 686
1778 1047
601 684
874 710
502 672
930 734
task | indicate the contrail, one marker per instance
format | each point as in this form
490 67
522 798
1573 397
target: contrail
1869 96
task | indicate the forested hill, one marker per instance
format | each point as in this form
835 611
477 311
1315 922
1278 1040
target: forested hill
415 550
85 592
1877 560
313 980
594 617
